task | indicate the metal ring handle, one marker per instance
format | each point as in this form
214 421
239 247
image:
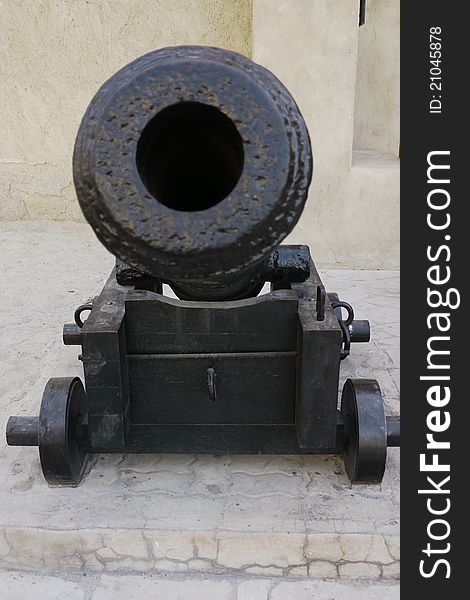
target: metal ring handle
346 340
348 308
78 312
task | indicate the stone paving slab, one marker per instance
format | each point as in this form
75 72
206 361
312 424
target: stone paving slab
18 585
273 516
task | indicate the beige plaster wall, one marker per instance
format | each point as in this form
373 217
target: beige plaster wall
55 54
377 110
352 215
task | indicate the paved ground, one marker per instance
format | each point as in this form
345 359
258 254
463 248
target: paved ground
18 586
231 526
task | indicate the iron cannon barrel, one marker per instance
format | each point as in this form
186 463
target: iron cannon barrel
192 164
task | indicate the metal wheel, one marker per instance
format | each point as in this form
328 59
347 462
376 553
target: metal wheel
62 457
363 412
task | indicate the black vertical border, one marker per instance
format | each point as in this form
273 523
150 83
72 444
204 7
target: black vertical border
422 132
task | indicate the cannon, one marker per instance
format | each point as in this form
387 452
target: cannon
192 164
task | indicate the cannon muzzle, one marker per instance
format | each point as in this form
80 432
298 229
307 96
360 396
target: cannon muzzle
192 164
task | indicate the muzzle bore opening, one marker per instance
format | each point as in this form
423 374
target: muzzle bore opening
190 156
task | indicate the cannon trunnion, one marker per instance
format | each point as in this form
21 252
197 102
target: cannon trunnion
192 164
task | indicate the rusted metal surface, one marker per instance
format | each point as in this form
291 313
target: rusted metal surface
192 164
